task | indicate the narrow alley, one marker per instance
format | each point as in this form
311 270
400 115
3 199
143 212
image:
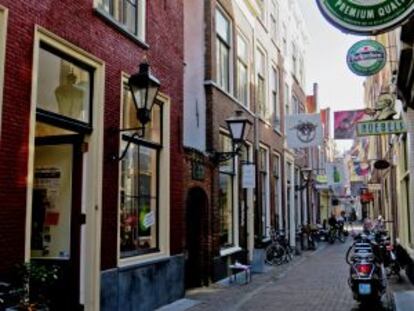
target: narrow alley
313 281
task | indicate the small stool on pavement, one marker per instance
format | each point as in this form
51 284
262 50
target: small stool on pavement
238 267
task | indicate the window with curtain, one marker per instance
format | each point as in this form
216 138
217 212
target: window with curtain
226 208
242 71
223 50
139 183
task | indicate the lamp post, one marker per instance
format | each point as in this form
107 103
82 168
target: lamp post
144 89
238 126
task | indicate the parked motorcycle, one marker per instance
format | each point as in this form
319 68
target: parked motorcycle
367 279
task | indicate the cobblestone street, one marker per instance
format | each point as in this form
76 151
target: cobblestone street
314 281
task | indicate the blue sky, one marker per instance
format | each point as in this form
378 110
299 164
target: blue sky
339 88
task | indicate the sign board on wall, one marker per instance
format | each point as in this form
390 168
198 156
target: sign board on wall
366 17
384 127
249 176
366 58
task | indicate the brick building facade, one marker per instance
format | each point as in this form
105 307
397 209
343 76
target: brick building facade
99 43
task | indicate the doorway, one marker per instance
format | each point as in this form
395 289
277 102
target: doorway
196 272
57 215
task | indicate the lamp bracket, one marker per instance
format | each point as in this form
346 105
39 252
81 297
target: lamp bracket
139 132
224 156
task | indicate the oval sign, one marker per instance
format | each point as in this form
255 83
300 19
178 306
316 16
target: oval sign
366 16
366 57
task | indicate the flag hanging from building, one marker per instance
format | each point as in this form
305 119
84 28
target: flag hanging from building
304 130
345 123
336 173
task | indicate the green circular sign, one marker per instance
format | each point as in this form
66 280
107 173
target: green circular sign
366 16
366 57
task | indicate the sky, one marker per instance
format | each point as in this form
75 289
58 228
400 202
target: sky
326 65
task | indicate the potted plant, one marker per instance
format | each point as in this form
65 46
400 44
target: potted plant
32 284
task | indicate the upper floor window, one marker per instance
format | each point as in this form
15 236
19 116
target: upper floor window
242 71
130 14
261 83
273 27
275 98
284 39
294 60
223 48
286 99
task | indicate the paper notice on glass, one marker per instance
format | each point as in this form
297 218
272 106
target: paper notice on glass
249 176
149 220
49 179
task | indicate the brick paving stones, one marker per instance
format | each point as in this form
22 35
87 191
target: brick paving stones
315 281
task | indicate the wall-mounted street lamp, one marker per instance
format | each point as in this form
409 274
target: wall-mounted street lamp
307 177
238 126
144 89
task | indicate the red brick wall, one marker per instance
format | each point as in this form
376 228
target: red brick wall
76 22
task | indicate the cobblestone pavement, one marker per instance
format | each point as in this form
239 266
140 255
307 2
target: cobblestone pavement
315 281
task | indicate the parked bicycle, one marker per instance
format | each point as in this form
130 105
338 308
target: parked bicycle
279 251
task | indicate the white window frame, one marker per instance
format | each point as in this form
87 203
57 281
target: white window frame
278 188
244 63
163 191
141 18
3 34
261 50
275 88
92 168
230 49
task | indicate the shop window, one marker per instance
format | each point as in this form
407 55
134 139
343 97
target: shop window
226 209
139 183
223 48
130 14
277 190
3 31
64 93
264 189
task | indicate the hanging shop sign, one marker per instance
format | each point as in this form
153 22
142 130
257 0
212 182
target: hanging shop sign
249 176
366 17
366 58
369 128
304 130
345 122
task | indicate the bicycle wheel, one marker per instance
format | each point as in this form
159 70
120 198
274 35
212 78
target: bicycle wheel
274 254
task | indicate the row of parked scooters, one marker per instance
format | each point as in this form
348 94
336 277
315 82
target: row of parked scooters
372 259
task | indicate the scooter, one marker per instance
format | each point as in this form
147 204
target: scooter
367 279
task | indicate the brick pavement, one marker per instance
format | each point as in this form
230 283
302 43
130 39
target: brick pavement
313 282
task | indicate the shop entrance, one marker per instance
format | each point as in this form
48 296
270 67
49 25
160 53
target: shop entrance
57 216
196 219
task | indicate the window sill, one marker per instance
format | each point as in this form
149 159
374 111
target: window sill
229 251
121 28
214 84
142 259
